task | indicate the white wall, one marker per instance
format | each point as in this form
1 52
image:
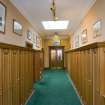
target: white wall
96 13
9 36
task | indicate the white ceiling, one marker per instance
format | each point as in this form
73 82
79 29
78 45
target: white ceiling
39 10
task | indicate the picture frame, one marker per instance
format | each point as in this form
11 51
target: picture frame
17 27
77 41
38 41
29 35
34 38
84 38
97 28
3 10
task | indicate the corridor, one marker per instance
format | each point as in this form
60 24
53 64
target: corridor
55 88
52 52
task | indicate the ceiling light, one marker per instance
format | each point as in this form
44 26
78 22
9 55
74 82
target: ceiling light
55 25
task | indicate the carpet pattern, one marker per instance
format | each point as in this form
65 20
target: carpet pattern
55 88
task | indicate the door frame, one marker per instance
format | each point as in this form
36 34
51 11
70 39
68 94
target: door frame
56 47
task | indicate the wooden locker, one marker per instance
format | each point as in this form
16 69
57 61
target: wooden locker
34 67
90 77
68 64
102 71
1 79
86 76
82 74
79 72
22 77
37 66
7 80
99 78
31 70
15 76
26 74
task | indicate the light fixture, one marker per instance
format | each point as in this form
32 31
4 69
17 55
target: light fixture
53 10
55 25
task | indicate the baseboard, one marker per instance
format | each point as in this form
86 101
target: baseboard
29 97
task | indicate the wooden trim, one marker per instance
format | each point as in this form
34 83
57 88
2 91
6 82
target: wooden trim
90 46
10 46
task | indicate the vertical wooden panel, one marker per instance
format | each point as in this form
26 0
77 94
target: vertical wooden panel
1 79
16 65
15 76
102 71
22 77
7 80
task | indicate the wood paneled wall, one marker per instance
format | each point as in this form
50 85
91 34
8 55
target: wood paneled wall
86 66
39 64
17 73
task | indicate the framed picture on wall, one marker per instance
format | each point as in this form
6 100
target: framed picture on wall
17 27
29 35
77 41
2 17
84 38
38 41
97 28
34 38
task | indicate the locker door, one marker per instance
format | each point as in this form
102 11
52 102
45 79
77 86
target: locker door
7 80
82 74
30 70
26 74
15 76
79 72
1 89
37 66
22 84
90 78
99 68
102 71
86 77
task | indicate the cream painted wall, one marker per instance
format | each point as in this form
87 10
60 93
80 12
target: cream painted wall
47 43
95 13
10 37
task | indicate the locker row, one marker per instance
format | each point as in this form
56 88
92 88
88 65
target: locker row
18 72
86 66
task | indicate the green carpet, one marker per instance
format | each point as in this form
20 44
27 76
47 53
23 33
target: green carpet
55 88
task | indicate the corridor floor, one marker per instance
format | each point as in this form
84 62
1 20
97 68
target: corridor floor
55 88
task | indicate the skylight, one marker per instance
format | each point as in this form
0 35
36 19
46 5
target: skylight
55 25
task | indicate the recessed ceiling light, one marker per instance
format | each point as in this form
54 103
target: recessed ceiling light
55 25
